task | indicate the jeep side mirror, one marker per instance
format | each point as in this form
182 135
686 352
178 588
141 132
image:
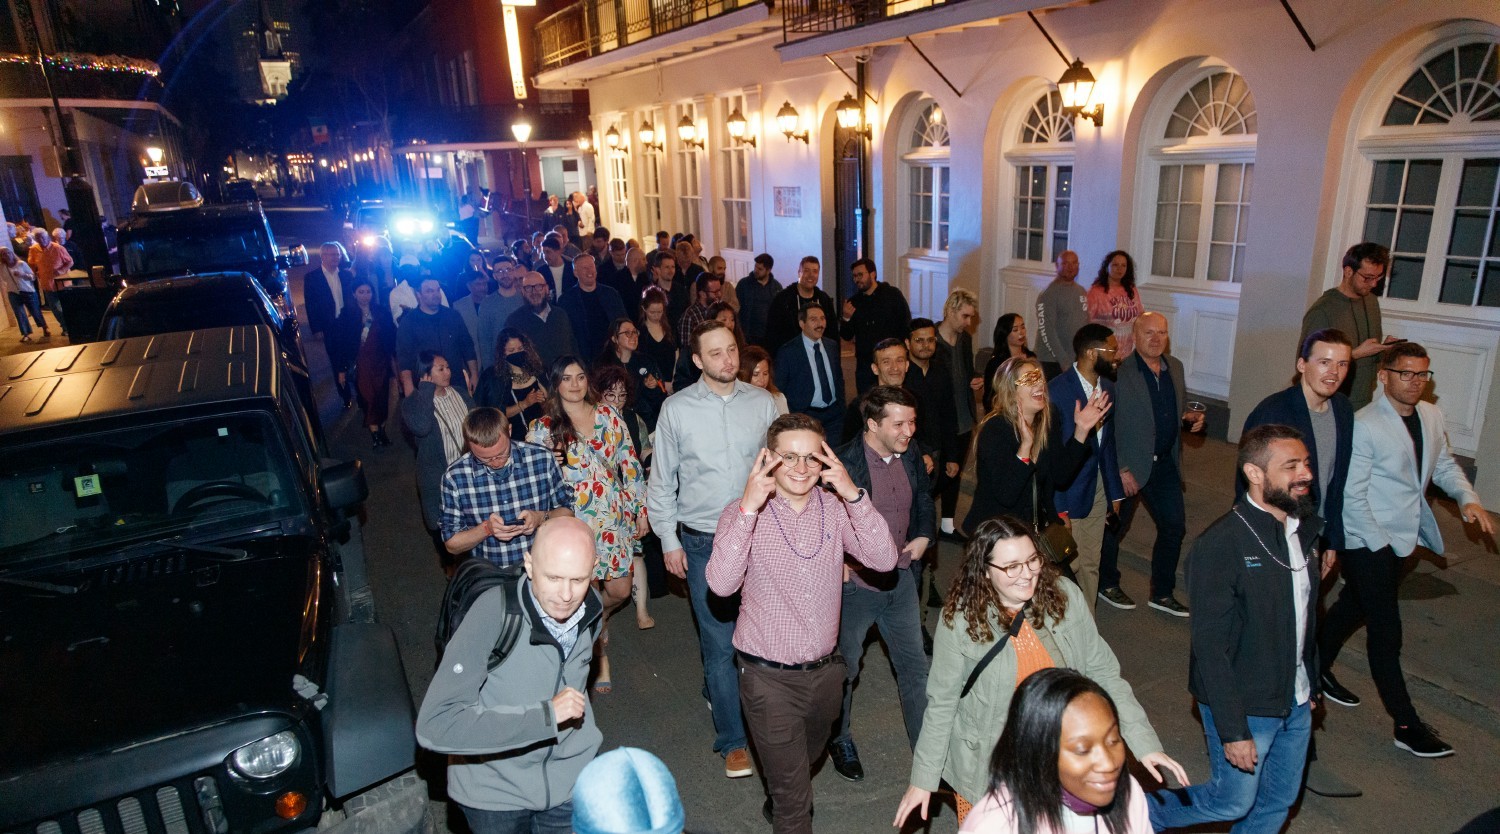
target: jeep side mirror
345 486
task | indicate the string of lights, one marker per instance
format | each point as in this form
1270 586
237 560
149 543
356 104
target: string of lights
82 61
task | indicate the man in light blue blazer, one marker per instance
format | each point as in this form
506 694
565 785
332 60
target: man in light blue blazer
1400 446
1087 501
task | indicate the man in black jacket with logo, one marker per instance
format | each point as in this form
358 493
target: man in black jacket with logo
1253 576
882 462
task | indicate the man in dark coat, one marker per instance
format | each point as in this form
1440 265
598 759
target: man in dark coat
876 311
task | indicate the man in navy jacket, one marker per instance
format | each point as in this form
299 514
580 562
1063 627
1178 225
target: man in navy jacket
1097 488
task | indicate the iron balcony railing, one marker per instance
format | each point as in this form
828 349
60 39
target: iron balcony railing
594 27
819 17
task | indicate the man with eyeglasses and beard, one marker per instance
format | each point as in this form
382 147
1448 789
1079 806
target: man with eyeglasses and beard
1096 490
1400 446
1353 308
1253 669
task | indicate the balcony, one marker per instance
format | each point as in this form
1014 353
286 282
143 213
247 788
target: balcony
596 27
800 18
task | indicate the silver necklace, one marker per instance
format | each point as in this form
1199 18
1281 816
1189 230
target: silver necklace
1268 550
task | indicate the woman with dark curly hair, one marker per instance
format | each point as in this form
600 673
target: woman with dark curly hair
511 383
1113 300
1007 594
1060 764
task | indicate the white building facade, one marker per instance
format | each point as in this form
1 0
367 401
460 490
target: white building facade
1234 163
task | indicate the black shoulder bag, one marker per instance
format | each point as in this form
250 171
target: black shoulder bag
984 662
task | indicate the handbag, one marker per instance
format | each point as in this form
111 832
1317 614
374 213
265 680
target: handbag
1055 539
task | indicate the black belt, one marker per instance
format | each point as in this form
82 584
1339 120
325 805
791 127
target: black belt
696 532
788 667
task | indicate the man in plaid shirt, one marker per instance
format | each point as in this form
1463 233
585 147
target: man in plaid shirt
496 496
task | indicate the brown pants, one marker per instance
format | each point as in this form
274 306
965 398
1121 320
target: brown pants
791 716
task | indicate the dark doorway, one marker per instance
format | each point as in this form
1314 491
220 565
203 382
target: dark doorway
846 220
18 190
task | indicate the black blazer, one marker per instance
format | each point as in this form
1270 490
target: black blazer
1004 484
1289 408
923 521
318 297
794 374
343 338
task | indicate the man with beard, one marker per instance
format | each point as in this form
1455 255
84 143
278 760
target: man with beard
876 311
929 381
549 328
498 306
1254 662
707 438
1314 407
898 485
788 304
1061 309
1096 491
1353 308
1400 446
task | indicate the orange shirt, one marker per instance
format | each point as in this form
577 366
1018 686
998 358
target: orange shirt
48 263
1031 655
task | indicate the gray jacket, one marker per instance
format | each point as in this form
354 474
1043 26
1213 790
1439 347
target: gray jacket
506 751
420 416
1135 427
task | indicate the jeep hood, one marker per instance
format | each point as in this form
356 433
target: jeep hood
138 654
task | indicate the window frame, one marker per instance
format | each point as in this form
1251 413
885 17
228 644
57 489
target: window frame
914 159
735 173
1159 152
1452 144
1053 155
688 167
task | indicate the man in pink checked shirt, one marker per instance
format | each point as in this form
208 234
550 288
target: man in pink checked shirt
782 546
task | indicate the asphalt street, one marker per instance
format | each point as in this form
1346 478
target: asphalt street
1449 607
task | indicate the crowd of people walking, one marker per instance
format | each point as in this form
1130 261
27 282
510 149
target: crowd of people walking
703 429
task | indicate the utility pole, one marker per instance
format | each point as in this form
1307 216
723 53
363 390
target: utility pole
80 195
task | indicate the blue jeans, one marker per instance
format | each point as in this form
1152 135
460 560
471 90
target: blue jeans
558 820
1260 800
715 616
1163 497
897 614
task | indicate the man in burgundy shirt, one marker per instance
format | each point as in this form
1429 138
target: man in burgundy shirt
883 462
782 547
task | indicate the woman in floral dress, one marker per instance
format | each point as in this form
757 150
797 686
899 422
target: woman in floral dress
593 449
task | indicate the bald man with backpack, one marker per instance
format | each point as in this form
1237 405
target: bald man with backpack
507 700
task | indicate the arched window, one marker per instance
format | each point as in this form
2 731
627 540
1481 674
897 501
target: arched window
1202 166
1434 191
1043 160
926 163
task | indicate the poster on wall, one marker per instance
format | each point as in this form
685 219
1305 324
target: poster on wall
788 201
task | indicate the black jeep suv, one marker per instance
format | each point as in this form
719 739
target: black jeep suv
237 237
187 639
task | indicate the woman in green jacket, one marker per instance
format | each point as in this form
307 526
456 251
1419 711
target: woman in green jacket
1003 576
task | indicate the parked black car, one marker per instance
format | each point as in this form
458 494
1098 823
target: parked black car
217 299
159 244
187 637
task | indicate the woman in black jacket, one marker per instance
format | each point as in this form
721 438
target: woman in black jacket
1020 455
363 344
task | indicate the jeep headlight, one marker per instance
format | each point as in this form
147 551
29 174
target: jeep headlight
406 225
271 756
426 226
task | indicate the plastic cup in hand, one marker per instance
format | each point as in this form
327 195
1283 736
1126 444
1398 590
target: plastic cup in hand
1195 407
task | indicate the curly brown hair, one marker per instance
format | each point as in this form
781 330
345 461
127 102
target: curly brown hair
973 593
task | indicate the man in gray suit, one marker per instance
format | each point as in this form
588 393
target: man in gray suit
1150 405
1400 446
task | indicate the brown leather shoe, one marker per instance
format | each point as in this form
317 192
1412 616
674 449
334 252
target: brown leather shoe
737 764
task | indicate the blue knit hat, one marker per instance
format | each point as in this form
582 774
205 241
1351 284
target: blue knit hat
627 791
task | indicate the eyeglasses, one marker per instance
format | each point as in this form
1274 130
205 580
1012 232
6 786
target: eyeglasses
1029 378
792 461
503 455
1013 570
1102 349
1376 277
1406 376
542 286
628 333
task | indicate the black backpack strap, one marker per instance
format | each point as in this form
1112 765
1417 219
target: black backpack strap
510 624
1015 628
